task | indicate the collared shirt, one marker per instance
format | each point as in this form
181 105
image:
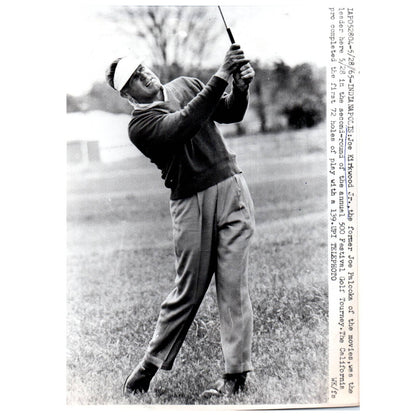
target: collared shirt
146 105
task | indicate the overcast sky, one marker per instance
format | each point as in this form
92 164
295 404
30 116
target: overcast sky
293 32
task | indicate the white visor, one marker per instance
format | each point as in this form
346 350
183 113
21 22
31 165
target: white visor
124 70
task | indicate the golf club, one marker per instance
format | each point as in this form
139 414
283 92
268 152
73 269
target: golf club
230 35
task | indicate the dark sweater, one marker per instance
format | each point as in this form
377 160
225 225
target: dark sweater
180 135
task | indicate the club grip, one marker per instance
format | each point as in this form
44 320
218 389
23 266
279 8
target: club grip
230 35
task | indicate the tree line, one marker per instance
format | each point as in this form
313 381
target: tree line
281 96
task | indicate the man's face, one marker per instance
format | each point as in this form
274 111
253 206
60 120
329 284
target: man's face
143 85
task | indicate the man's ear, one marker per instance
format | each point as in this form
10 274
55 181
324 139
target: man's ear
124 94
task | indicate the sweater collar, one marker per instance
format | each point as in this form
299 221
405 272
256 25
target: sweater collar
139 106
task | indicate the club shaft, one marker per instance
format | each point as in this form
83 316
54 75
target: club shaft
230 35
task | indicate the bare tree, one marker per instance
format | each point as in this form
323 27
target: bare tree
178 37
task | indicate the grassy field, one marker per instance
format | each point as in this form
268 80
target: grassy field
120 267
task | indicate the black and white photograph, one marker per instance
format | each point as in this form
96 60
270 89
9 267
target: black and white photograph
180 223
197 205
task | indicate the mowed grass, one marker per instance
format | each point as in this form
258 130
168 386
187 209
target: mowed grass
120 267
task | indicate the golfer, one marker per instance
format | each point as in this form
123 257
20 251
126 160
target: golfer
210 204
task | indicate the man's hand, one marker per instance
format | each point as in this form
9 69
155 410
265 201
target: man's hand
234 59
244 76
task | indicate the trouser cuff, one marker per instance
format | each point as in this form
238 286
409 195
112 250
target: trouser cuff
153 360
234 369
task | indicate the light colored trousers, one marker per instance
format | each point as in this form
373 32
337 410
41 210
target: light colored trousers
212 232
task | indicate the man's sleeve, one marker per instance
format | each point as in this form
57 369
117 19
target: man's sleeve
151 129
232 107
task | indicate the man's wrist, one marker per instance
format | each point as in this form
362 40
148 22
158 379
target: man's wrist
223 75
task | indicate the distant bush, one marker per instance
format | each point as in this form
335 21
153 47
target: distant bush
307 113
288 97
